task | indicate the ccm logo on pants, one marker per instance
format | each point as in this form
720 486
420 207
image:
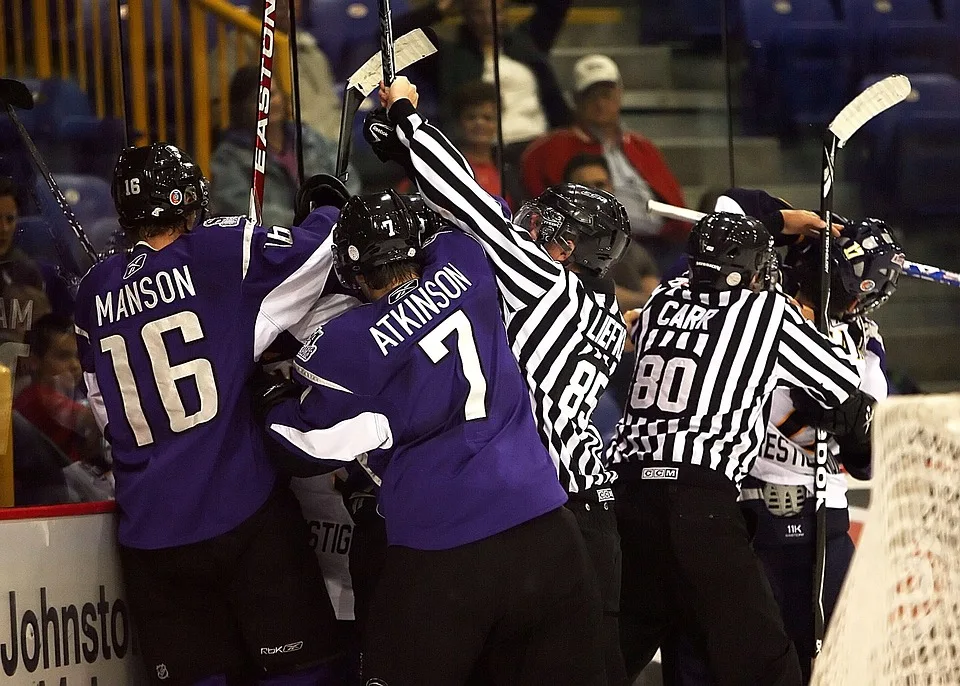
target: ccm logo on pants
659 473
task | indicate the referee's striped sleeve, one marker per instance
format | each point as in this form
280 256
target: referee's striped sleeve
448 186
806 359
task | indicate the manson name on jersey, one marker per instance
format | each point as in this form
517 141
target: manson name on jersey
418 302
144 293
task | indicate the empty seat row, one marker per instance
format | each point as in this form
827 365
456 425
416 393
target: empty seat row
805 56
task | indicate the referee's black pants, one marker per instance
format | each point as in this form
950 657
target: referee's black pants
688 567
596 517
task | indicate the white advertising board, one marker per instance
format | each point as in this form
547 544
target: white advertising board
63 617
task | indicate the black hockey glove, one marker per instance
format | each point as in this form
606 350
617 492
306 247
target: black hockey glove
381 134
853 418
268 390
319 190
849 423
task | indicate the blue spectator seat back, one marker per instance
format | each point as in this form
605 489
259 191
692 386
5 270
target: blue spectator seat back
682 20
914 147
908 36
799 60
89 197
347 30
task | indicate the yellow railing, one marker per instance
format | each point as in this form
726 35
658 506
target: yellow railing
86 49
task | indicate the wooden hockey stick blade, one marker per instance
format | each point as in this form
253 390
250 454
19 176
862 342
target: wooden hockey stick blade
409 49
15 93
872 101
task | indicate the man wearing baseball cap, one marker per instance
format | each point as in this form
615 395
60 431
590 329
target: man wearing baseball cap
637 167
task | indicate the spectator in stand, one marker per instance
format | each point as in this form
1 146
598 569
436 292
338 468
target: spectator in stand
15 265
637 167
635 275
530 94
476 108
52 402
230 167
319 101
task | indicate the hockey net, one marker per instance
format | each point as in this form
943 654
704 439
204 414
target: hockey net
898 617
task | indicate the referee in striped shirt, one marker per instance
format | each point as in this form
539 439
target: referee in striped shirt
562 318
710 352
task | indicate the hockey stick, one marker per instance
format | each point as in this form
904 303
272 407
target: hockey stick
387 56
871 102
13 95
914 270
127 127
267 45
408 49
496 85
295 77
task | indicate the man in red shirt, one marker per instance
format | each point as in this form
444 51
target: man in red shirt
637 168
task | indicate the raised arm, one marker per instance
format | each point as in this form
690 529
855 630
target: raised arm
524 270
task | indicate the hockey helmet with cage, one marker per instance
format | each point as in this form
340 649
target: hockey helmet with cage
593 220
374 230
156 184
727 250
866 262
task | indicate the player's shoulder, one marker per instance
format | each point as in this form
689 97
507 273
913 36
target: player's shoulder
101 273
342 351
455 249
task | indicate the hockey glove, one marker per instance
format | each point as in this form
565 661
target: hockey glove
319 190
853 418
381 134
268 390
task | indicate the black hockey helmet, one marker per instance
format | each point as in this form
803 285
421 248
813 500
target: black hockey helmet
592 219
866 262
726 250
157 183
430 221
374 229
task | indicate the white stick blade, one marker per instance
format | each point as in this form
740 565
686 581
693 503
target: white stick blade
408 49
673 212
872 101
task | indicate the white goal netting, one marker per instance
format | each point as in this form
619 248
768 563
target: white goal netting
898 618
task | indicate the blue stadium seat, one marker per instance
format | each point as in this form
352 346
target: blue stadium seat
908 36
800 65
913 149
89 197
101 231
347 31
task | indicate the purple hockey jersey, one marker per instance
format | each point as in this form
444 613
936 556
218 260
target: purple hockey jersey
424 382
168 340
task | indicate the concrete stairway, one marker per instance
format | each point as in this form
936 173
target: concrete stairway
676 97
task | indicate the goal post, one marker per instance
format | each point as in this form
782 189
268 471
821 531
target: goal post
898 617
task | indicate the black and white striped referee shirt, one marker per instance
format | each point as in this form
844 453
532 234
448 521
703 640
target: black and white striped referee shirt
565 329
707 364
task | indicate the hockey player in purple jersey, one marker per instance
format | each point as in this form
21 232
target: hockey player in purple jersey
215 555
484 565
